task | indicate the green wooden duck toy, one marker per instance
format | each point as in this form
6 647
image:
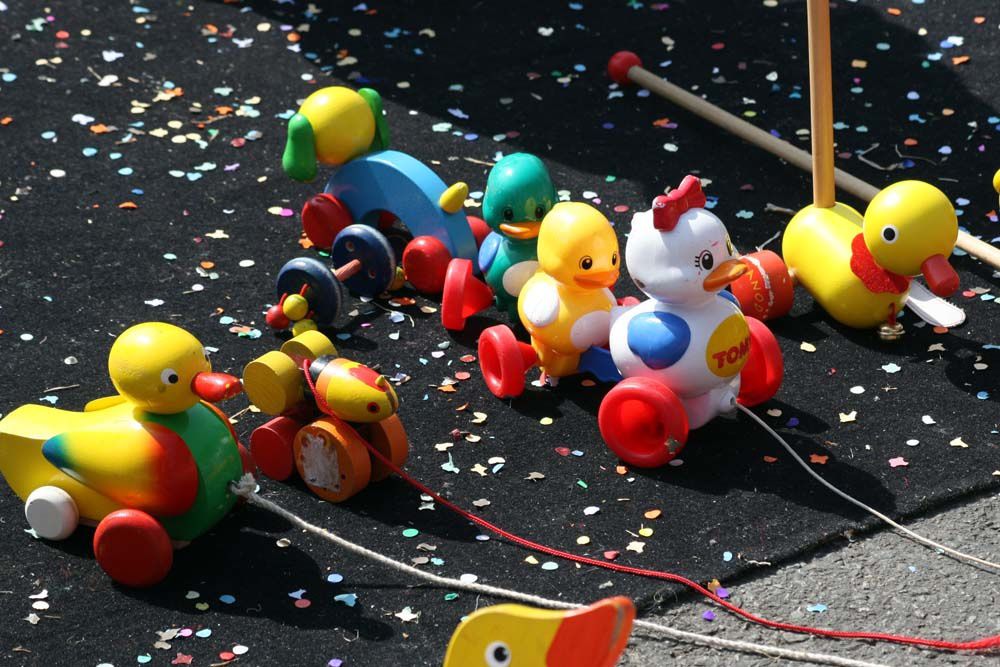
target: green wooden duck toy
519 193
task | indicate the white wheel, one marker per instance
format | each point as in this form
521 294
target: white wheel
51 513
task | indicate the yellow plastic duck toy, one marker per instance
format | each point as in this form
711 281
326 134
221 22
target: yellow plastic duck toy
996 183
566 305
858 268
513 635
151 465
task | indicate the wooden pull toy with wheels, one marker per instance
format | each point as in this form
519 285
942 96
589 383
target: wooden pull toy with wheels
687 353
378 187
150 466
325 408
565 306
519 194
858 268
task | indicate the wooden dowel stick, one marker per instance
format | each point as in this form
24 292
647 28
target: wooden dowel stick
347 270
821 102
784 150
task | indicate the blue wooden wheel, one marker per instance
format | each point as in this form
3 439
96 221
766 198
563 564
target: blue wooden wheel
373 250
325 294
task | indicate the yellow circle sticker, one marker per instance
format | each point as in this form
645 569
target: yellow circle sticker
728 347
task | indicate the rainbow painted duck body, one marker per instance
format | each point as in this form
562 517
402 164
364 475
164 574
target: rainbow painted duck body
156 451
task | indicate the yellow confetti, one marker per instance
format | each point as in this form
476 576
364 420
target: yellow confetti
583 539
846 417
480 417
958 442
807 347
545 421
646 532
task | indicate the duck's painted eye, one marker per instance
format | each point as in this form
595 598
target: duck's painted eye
169 376
498 655
373 407
539 212
586 262
729 246
890 233
705 260
614 259
508 213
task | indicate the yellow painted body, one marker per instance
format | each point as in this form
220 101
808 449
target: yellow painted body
817 248
342 124
22 434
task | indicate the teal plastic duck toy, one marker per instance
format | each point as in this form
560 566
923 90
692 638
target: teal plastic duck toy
519 193
150 466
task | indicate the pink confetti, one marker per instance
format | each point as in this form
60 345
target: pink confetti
898 461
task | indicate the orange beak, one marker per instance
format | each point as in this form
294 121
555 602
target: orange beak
940 276
594 636
597 279
520 230
724 274
215 387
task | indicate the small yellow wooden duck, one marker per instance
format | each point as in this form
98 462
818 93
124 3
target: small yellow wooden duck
513 635
858 268
566 305
152 464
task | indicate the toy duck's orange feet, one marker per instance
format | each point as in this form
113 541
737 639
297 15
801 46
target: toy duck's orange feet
643 422
762 374
504 360
463 295
133 548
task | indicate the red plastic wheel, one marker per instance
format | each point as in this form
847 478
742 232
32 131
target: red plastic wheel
276 318
425 262
504 360
643 422
766 291
762 374
323 216
620 64
271 447
479 228
463 295
133 548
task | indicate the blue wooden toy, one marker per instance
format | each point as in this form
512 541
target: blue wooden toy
376 186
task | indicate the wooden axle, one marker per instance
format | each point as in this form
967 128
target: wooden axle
625 67
347 270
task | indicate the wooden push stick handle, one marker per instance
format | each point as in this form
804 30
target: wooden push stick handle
625 67
347 270
821 103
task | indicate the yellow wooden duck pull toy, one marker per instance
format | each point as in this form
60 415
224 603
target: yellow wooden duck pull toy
858 268
513 635
150 466
325 408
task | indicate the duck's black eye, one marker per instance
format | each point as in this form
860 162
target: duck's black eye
539 212
373 407
705 260
498 655
586 262
169 376
614 259
889 234
508 213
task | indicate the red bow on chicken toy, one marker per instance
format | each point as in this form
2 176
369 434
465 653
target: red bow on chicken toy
667 209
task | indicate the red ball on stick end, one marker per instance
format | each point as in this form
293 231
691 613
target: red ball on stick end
620 64
276 318
425 262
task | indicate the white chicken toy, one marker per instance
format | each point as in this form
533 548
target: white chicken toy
682 351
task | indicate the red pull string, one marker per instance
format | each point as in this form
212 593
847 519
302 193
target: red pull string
978 644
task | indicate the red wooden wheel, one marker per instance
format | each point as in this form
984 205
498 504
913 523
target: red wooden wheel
504 361
133 548
762 374
425 262
271 447
323 216
479 228
643 422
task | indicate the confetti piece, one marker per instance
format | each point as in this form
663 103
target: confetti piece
897 462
